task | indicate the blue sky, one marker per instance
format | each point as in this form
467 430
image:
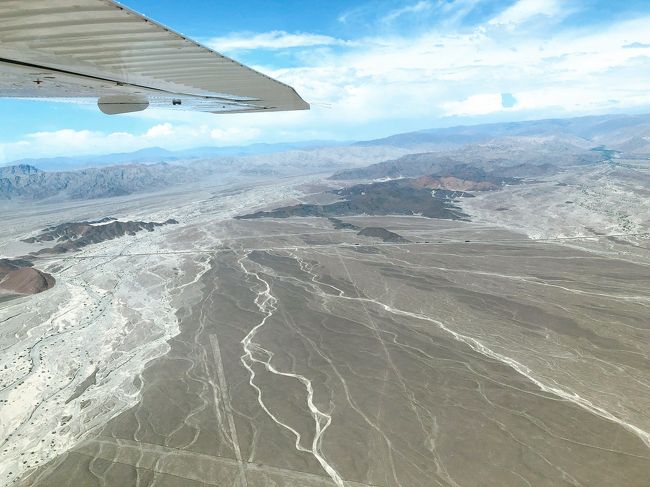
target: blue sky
375 68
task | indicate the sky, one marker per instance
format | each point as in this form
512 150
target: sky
371 69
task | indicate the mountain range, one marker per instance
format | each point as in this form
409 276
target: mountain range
153 155
511 156
621 132
506 150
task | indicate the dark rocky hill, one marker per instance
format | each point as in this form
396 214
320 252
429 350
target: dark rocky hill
399 197
382 233
341 225
76 235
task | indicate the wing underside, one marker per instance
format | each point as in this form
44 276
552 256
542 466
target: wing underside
98 50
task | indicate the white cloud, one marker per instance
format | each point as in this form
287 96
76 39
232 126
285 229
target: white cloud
396 83
270 40
160 130
66 140
455 11
435 75
480 104
82 142
419 7
525 10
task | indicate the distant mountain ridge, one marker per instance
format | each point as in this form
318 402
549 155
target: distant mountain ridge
505 150
28 182
507 157
624 132
611 129
152 155
24 181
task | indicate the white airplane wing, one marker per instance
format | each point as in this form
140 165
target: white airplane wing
99 50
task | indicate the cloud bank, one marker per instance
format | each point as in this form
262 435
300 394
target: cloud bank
524 61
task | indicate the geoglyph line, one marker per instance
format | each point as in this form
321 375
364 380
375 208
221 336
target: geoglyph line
266 303
223 393
479 347
517 366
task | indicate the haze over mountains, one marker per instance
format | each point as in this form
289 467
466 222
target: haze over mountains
28 182
483 152
510 156
158 154
626 132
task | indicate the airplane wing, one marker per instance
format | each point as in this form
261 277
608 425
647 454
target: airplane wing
99 50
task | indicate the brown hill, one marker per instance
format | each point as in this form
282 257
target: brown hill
26 280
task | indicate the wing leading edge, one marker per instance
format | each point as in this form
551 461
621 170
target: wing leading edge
98 50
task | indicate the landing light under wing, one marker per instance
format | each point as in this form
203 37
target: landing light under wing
98 50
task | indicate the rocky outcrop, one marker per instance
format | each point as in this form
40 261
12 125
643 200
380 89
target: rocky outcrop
398 197
341 225
76 235
26 280
382 233
17 276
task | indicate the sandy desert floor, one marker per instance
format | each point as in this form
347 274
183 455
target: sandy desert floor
288 353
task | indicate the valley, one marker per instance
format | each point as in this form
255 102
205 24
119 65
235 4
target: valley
482 323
